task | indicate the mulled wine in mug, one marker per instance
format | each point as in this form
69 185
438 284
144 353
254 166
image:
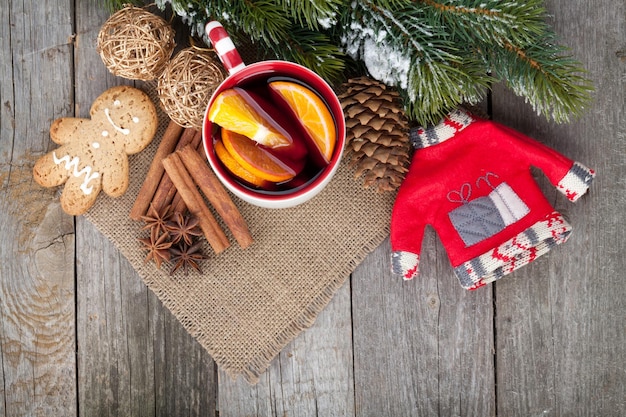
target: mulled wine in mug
273 131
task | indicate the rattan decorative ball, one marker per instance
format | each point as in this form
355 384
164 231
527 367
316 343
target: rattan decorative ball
187 83
135 44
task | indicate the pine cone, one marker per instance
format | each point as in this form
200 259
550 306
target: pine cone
377 133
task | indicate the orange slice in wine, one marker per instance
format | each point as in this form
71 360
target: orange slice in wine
231 111
312 113
235 168
255 159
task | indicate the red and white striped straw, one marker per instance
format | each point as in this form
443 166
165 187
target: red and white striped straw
224 47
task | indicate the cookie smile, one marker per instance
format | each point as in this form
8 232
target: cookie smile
116 127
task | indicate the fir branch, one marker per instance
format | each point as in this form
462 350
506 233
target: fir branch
313 14
270 25
376 32
523 51
438 53
264 21
259 20
401 48
550 80
436 88
521 55
490 21
311 49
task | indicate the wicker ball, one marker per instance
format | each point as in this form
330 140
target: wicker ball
135 44
187 83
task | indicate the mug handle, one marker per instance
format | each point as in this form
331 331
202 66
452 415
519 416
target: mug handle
224 47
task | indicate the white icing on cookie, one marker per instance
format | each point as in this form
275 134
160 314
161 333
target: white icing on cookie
135 119
105 133
96 145
72 164
116 127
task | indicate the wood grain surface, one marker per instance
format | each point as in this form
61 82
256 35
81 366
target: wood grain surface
80 334
559 323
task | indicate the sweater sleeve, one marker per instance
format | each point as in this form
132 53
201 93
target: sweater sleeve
570 177
408 221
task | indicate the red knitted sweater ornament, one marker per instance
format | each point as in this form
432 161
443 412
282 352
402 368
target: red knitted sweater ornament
471 180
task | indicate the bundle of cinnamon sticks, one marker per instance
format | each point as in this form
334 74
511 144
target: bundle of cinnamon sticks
174 176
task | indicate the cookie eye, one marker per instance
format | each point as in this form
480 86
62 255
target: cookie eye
117 103
96 145
105 133
135 119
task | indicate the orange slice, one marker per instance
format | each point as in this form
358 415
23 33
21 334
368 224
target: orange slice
235 168
255 159
231 111
312 112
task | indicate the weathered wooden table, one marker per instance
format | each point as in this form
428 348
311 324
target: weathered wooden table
80 334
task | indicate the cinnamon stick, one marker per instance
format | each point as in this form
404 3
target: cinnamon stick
196 142
166 191
217 195
155 172
178 204
187 189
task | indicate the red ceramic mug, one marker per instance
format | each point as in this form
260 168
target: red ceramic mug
241 75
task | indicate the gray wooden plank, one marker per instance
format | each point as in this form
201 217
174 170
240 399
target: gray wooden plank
421 347
312 376
111 340
36 273
105 327
134 357
185 375
560 330
395 371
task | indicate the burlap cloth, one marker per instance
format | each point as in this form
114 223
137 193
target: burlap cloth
248 304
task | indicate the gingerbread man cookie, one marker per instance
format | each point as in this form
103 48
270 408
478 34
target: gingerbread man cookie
93 155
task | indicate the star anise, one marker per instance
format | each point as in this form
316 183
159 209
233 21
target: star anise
183 228
185 256
158 247
157 218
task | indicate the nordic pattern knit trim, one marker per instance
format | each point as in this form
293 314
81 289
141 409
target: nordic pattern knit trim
500 261
454 123
405 264
514 253
576 181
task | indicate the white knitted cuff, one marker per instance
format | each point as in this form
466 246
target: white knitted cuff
576 182
405 264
